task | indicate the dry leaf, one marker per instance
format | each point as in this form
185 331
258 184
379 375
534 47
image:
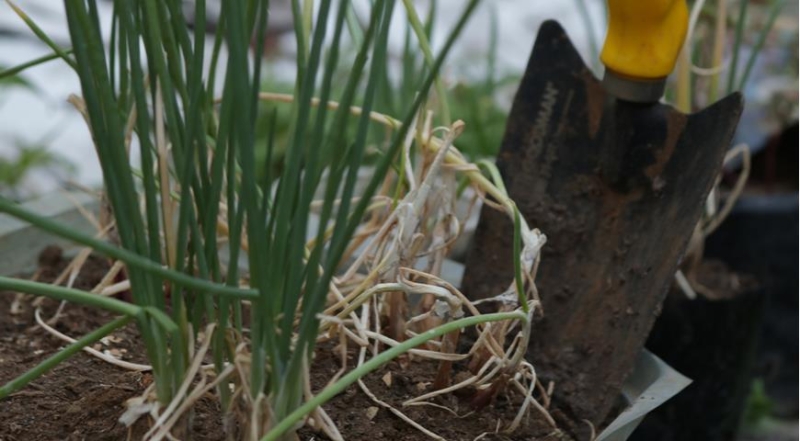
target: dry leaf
371 412
387 379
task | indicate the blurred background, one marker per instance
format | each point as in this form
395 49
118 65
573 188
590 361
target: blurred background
45 146
44 143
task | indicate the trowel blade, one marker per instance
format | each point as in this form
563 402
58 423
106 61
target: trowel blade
617 188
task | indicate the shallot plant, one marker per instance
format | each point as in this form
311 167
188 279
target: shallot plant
234 279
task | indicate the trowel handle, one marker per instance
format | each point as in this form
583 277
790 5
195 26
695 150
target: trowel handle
642 45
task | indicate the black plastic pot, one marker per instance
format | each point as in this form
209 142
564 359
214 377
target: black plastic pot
760 237
712 342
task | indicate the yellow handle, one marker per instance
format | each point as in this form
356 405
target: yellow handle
644 37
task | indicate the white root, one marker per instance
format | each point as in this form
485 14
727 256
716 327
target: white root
105 357
388 256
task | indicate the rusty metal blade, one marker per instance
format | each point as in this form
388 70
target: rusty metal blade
617 188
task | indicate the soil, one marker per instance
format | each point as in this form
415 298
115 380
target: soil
83 398
721 281
401 380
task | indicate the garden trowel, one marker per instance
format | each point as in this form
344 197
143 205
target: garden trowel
617 182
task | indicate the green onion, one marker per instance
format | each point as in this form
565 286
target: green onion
199 154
